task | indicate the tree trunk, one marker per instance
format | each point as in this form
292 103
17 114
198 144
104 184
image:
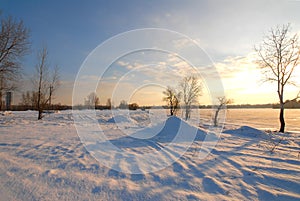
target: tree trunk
39 107
50 97
186 113
281 115
171 107
0 100
1 89
40 114
216 117
281 118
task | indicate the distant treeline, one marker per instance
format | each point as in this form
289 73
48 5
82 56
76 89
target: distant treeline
288 105
291 104
242 106
30 107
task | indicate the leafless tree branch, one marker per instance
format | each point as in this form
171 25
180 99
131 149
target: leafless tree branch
279 55
191 90
14 44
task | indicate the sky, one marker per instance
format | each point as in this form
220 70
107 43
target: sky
226 31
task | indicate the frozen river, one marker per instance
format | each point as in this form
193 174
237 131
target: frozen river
260 118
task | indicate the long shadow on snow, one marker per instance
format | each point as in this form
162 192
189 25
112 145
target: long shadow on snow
251 177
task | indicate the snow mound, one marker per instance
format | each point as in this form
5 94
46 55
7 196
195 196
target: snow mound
173 129
118 119
246 131
176 127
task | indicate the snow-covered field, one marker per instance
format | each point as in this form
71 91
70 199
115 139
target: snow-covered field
46 160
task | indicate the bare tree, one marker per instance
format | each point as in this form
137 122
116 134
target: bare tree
173 99
92 100
123 104
29 100
278 56
34 99
222 104
191 90
46 83
14 44
297 97
109 104
26 99
53 85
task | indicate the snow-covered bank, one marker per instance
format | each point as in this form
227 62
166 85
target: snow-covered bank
45 160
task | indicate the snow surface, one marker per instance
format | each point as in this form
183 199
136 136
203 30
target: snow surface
45 160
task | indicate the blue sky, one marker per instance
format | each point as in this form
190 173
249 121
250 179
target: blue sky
227 30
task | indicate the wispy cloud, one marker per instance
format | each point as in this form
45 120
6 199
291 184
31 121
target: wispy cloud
232 66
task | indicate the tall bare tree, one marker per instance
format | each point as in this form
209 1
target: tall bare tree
45 82
14 44
278 57
92 100
173 99
223 101
191 90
